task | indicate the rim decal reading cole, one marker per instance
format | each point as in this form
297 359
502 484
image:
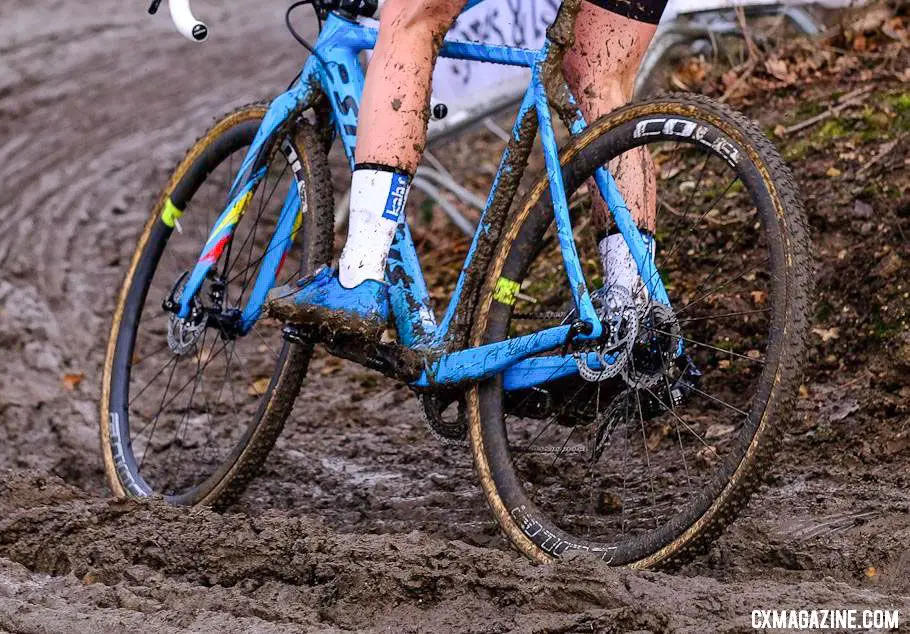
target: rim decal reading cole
702 134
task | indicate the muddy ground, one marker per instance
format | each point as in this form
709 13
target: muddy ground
363 521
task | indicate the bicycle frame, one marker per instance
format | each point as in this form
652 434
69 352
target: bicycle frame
335 71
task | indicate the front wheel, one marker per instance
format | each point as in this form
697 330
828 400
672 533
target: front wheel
190 412
620 464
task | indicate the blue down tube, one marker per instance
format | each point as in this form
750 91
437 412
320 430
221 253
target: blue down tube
505 168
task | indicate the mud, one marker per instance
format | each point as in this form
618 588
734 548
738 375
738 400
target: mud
361 520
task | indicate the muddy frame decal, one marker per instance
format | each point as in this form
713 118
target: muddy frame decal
335 71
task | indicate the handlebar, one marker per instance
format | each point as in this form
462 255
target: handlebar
196 31
189 27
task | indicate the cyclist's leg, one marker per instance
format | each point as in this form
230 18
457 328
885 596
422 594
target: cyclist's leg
392 128
611 38
391 135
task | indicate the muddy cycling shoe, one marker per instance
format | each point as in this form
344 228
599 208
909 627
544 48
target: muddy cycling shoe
321 300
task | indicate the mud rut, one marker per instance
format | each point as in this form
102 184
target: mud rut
360 520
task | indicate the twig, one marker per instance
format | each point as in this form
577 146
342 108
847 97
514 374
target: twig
748 69
751 63
747 33
846 101
884 151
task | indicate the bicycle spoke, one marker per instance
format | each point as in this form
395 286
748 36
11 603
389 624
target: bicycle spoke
683 423
188 383
742 313
714 290
163 369
682 450
706 345
136 364
186 415
158 414
720 401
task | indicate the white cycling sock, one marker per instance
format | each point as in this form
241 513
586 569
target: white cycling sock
378 197
619 265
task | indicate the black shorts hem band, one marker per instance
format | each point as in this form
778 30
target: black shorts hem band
648 11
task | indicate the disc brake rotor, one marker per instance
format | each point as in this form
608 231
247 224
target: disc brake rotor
183 334
616 310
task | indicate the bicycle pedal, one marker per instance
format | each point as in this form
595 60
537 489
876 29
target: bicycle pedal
296 334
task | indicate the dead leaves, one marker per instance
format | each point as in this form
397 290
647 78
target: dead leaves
72 381
827 334
259 386
779 68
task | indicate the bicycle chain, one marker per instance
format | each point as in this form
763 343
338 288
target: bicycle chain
465 444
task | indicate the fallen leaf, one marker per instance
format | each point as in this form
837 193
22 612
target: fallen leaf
657 435
609 503
72 381
803 391
259 386
827 334
778 68
833 172
707 457
843 409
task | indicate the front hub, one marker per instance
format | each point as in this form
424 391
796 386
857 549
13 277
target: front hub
183 333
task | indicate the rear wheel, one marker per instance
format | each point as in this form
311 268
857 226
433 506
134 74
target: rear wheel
192 414
644 467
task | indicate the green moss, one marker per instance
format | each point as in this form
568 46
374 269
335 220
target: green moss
797 150
810 109
735 188
885 330
901 105
832 129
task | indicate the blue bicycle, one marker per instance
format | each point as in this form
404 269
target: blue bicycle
632 429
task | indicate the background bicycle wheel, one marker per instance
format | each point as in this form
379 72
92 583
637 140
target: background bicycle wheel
366 526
